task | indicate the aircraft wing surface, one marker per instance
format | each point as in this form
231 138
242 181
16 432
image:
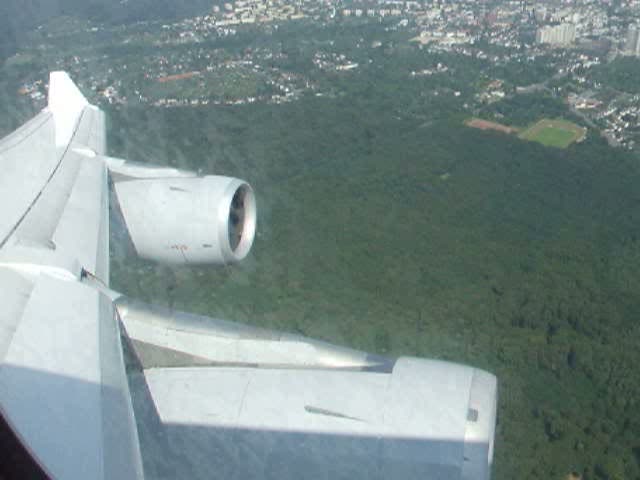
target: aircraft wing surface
97 385
316 423
62 376
53 189
252 403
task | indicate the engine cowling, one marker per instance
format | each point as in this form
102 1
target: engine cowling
195 220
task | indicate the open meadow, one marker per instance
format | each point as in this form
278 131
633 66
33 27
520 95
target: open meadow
554 133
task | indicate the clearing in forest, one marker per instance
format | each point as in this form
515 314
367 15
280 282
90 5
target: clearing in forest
487 125
554 133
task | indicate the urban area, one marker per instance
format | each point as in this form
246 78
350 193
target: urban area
578 40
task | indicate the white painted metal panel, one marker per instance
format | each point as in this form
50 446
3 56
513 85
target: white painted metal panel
38 173
440 389
70 214
51 380
15 294
79 228
55 392
427 399
186 220
91 131
121 452
28 158
281 423
223 342
481 424
66 103
38 226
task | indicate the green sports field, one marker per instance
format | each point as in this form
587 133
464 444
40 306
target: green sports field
554 133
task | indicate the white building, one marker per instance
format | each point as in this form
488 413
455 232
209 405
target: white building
632 44
562 34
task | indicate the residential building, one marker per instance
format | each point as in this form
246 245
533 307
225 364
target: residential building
562 34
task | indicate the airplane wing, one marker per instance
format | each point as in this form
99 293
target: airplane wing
62 374
97 385
251 403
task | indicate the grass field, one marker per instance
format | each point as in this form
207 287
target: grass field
554 133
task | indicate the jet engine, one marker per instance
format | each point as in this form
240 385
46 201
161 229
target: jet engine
188 219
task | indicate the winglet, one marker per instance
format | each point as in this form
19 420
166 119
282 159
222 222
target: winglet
66 103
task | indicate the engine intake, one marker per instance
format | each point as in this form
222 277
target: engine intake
194 220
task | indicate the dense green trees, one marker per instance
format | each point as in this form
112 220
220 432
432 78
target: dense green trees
622 74
524 109
428 238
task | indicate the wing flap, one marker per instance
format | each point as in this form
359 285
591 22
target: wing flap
206 340
63 385
307 423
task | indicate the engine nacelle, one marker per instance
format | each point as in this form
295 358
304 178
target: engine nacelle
196 220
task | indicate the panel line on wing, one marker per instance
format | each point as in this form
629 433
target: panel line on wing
50 205
22 138
16 293
329 413
37 197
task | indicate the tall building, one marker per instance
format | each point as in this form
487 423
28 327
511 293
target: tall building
632 44
562 34
540 13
